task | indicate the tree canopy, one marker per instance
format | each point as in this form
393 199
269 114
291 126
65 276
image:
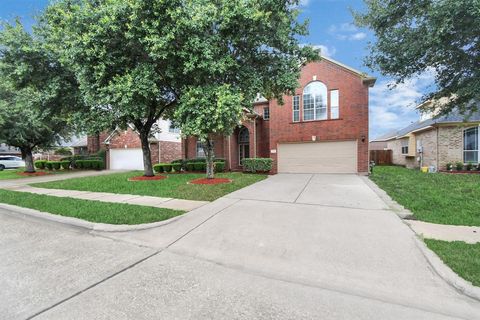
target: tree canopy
37 95
415 36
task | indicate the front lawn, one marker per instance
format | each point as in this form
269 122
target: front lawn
433 197
94 211
461 257
8 174
175 186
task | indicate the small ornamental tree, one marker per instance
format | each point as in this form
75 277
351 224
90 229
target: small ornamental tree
233 50
415 36
209 110
37 94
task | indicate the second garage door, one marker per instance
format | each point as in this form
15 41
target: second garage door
318 157
126 159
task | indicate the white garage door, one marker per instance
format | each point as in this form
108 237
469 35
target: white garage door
318 157
126 159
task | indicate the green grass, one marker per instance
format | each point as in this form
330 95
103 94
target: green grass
8 174
94 211
433 197
175 186
461 257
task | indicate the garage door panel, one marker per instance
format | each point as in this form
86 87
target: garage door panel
318 157
126 159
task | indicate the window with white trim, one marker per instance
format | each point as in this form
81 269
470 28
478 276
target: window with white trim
334 104
471 138
315 101
405 146
296 108
200 151
266 113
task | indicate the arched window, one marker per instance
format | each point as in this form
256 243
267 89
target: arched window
315 101
471 145
243 136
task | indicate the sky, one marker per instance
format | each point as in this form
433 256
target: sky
332 30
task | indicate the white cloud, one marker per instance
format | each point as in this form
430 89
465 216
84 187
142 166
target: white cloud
394 108
303 3
346 31
325 50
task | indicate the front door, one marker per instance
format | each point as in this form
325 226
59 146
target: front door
243 145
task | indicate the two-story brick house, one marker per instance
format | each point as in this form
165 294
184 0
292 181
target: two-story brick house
323 128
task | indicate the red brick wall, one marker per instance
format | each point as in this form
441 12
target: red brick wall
353 121
125 139
169 151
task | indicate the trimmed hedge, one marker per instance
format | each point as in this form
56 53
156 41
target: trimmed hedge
163 167
257 164
177 167
90 164
49 165
219 166
56 165
190 166
65 165
200 166
158 168
40 164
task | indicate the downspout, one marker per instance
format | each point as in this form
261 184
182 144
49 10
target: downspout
254 137
438 162
229 152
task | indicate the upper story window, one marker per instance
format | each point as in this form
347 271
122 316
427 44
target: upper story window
334 104
296 108
471 139
315 101
266 113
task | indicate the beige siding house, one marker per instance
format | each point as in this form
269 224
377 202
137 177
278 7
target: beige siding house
436 141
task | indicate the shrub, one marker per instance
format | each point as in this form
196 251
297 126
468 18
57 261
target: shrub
158 168
96 164
190 166
469 166
257 164
40 164
219 166
63 151
49 165
177 167
56 165
167 167
449 166
65 164
200 166
459 166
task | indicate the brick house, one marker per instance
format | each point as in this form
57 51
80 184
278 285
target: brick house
435 141
124 149
323 128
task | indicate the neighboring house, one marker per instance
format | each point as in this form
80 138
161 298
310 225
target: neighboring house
380 143
80 147
322 128
8 150
436 141
124 149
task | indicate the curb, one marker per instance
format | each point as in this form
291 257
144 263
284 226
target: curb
75 222
444 271
447 274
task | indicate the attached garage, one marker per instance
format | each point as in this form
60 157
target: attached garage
126 159
317 157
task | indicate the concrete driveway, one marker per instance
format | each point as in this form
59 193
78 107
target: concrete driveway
290 247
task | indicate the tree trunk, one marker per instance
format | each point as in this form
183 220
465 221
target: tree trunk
147 156
28 158
208 148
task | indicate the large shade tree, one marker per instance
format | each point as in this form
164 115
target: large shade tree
416 36
125 56
235 50
37 95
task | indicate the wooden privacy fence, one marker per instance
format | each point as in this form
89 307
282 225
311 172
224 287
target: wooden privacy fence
381 156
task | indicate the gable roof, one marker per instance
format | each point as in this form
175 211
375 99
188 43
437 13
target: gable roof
368 80
455 117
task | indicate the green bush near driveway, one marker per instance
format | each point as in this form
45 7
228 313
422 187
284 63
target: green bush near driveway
461 257
94 211
433 197
40 164
257 164
176 186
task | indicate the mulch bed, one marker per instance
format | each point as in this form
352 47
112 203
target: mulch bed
461 172
34 174
210 181
143 178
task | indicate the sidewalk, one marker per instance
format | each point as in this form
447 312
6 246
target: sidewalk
445 232
169 203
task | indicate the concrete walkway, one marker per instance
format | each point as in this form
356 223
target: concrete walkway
169 203
445 232
289 247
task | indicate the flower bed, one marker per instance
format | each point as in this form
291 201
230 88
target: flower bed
144 178
210 181
461 171
33 174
